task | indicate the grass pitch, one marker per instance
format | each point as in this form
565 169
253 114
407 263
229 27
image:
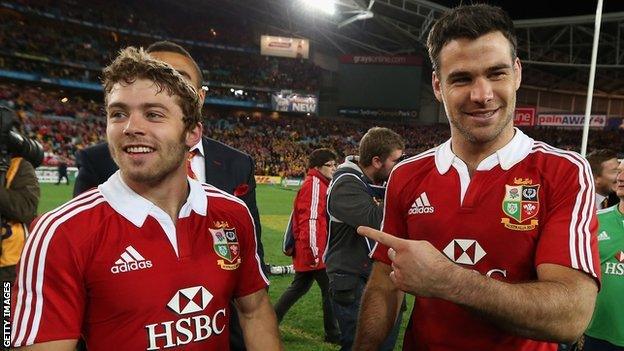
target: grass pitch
302 327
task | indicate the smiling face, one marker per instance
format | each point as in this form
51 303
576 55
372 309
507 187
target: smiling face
477 82
146 134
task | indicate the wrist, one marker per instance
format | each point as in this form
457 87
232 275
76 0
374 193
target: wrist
458 278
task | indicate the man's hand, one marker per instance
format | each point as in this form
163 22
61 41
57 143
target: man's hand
556 307
418 267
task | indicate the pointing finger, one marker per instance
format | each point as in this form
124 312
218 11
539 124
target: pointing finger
379 236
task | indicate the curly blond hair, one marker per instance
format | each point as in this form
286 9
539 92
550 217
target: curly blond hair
132 64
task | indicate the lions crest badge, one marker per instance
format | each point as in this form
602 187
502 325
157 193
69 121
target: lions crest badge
225 243
521 204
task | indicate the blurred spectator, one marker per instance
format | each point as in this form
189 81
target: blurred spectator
66 121
62 171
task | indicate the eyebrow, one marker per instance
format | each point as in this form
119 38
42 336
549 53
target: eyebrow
459 74
144 106
499 67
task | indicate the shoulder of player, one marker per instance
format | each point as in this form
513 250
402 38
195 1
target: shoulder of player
223 199
562 158
422 162
74 218
605 212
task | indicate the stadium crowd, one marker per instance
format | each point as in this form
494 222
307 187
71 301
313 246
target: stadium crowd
78 52
65 122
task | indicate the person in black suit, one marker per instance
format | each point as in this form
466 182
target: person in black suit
226 168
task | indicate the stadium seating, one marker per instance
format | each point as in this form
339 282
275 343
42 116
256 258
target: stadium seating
278 145
66 49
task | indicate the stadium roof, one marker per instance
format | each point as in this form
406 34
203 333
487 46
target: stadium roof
555 50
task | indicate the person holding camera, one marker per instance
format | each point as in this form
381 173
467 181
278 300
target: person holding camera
19 197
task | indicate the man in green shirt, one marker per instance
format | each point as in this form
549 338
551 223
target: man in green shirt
606 330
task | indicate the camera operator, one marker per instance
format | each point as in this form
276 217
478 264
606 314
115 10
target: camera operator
19 191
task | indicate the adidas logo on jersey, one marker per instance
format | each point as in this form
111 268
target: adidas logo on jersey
421 205
131 260
603 236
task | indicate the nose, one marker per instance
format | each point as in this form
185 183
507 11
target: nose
481 91
134 125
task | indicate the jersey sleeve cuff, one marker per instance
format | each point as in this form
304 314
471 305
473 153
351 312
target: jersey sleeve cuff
250 290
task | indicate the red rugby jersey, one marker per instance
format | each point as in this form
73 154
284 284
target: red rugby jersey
112 267
526 204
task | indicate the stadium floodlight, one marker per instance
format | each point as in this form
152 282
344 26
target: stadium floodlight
326 6
362 15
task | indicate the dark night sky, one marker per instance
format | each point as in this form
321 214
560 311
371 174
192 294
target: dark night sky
524 9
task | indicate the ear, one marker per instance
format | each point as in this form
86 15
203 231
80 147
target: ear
202 95
376 162
435 83
194 135
518 70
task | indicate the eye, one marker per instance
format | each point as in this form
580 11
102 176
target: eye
460 80
116 114
153 115
497 75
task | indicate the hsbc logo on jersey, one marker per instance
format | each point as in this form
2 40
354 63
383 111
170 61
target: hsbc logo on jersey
190 329
464 251
190 300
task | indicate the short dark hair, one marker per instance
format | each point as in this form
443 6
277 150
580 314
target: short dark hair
471 21
132 64
320 156
597 157
169 46
380 142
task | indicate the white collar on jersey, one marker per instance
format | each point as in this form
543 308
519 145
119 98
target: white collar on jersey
136 208
199 147
507 156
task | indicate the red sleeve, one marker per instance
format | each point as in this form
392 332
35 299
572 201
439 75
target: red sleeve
568 237
393 220
308 212
251 277
48 299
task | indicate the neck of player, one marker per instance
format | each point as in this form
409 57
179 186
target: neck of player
473 152
169 193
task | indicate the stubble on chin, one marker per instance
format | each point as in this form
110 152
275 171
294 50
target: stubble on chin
472 135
